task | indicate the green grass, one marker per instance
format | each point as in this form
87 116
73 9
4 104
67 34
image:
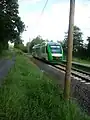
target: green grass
29 94
6 54
81 61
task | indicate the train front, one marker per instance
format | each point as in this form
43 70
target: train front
56 52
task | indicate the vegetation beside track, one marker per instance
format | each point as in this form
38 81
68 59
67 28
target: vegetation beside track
78 60
78 66
83 61
6 54
28 94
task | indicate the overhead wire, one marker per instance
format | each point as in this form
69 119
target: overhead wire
37 24
44 7
42 11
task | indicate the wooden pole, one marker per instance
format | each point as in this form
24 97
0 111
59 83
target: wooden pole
70 48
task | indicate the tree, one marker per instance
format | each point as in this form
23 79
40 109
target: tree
77 40
88 47
27 44
11 25
18 41
64 43
35 41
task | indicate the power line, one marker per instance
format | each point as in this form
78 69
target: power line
42 11
44 7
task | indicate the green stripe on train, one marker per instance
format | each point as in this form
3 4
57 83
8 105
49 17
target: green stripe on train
49 53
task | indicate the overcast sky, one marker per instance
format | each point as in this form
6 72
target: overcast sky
54 21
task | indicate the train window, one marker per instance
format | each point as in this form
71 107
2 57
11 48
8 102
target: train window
56 49
55 46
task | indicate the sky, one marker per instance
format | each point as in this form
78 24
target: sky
53 23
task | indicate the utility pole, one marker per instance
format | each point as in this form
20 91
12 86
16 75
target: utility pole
70 48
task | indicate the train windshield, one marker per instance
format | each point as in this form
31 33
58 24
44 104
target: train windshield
56 49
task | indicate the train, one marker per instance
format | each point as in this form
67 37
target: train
49 51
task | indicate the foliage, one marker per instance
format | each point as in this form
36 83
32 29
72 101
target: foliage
27 44
18 41
28 94
80 49
11 25
87 61
6 54
88 47
35 41
22 47
77 40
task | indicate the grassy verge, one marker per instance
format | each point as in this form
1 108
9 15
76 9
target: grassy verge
81 61
6 54
28 94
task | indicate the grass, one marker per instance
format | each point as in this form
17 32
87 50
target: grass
81 61
28 94
6 54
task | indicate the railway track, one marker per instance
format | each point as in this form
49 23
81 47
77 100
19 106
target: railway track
77 73
80 74
79 66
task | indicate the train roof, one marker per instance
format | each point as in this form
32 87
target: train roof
50 43
46 43
53 43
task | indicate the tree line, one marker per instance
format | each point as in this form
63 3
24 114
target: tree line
80 49
11 25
